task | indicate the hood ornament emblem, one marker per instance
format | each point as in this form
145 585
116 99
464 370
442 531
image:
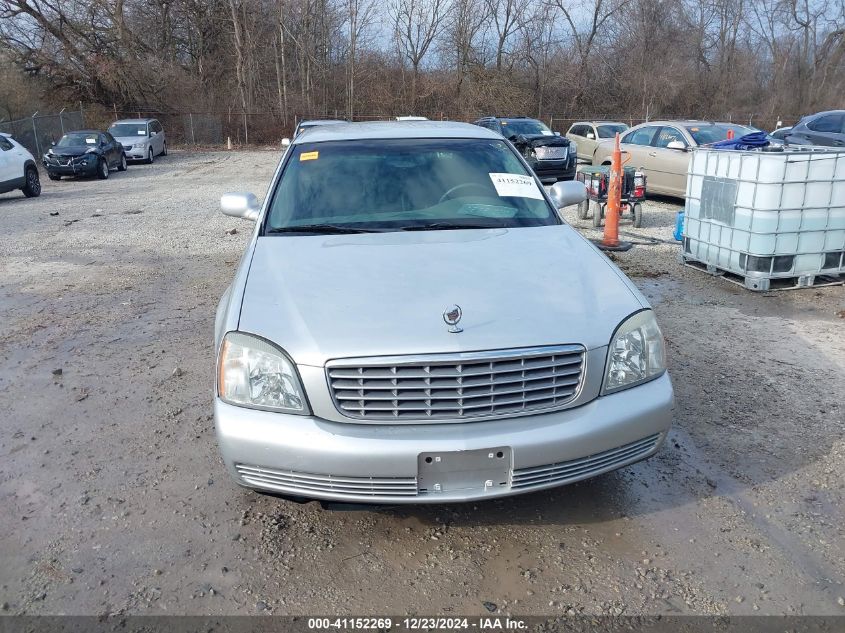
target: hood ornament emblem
452 316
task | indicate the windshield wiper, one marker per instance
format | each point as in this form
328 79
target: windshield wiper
449 226
320 229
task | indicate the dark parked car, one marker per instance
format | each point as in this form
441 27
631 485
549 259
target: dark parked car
550 155
84 153
824 128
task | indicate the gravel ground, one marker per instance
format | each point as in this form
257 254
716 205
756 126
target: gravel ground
114 499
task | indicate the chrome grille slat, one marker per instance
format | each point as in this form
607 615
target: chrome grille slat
458 386
439 383
581 468
466 394
540 470
291 481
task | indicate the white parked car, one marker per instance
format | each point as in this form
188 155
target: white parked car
17 168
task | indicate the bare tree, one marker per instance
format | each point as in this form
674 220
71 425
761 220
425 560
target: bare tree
417 23
359 18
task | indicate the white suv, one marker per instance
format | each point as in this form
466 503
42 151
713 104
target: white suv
17 168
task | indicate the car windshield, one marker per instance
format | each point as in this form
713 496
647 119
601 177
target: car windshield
77 138
128 129
406 184
609 130
528 127
707 133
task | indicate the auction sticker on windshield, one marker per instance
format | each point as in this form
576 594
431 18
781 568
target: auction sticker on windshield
309 156
516 185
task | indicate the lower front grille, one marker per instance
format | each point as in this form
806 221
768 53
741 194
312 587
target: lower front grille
585 467
303 483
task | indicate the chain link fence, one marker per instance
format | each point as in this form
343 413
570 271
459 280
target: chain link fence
217 129
38 131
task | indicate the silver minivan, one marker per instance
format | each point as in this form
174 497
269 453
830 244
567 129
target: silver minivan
413 322
142 139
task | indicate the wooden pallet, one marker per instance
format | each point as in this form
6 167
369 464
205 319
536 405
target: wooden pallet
766 284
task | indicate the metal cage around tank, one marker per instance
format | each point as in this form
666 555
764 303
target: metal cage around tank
767 216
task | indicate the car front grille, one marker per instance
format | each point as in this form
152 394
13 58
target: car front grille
551 153
456 386
562 472
303 483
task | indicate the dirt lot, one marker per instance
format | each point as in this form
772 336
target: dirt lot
114 499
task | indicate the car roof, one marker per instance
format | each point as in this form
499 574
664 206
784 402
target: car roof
84 132
133 121
393 129
690 122
322 122
507 118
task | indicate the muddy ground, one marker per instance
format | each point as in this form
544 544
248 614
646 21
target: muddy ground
113 498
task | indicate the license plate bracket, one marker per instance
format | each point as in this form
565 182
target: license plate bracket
482 470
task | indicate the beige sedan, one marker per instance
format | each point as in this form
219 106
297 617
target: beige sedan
661 150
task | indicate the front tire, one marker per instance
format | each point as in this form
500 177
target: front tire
122 165
102 169
164 149
150 156
32 188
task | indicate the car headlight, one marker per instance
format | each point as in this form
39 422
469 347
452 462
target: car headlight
636 353
255 373
573 148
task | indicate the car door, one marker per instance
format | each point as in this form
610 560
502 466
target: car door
668 166
636 144
158 137
828 130
107 143
7 163
577 133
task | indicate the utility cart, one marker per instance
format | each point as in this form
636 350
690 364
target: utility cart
597 180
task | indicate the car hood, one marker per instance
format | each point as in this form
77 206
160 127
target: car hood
130 140
324 297
72 150
542 140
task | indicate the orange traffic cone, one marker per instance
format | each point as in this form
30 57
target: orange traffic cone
611 242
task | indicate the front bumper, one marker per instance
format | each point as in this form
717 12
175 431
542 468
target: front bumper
550 171
136 152
361 463
74 169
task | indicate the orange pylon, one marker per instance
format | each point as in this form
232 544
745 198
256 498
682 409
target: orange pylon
614 198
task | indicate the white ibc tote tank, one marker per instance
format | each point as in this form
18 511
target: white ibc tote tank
767 215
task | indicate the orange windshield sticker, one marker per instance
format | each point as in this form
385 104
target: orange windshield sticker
309 156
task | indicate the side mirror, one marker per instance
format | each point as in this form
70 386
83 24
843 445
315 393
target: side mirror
676 145
240 205
590 135
567 193
285 142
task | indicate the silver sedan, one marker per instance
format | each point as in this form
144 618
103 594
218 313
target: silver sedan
412 322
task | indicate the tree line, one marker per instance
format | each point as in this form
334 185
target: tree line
461 58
